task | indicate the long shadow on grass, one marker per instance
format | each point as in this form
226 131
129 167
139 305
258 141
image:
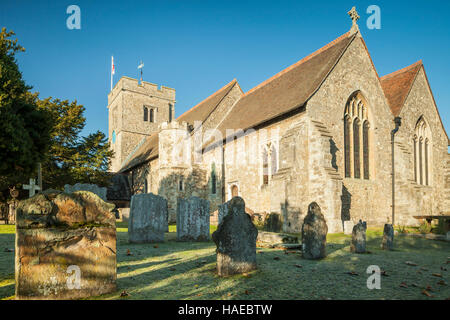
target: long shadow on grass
6 257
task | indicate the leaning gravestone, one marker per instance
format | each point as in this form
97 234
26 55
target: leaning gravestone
314 233
358 244
65 246
100 191
388 237
235 239
148 218
193 219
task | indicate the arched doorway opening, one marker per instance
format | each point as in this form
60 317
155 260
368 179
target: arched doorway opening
234 191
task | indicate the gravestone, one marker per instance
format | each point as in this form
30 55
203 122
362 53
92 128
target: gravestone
193 219
99 191
358 244
348 226
314 233
273 223
148 218
65 246
235 239
12 212
448 236
388 237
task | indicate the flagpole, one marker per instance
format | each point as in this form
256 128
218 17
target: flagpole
112 70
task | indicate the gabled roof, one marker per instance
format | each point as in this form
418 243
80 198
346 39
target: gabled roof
200 112
287 90
397 85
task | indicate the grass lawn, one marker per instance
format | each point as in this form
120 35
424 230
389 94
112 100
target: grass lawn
180 270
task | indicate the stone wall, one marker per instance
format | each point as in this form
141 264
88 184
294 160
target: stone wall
370 199
126 117
416 199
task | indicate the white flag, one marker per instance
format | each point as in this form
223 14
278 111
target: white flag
113 71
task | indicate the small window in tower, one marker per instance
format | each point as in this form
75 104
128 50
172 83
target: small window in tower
145 113
181 184
170 112
152 115
113 139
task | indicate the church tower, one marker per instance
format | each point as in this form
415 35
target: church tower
135 112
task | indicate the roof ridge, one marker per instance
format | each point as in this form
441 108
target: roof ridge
405 69
308 57
208 98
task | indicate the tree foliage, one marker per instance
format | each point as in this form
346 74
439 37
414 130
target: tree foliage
24 129
44 131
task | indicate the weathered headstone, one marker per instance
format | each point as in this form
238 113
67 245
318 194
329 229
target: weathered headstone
388 237
12 212
148 218
100 191
273 222
348 226
314 233
448 236
65 246
235 239
358 244
193 219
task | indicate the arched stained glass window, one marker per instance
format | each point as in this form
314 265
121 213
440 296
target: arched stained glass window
357 150
356 147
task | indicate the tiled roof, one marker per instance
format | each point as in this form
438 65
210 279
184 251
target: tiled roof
396 86
287 90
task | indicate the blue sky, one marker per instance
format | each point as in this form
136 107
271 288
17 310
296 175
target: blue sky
198 46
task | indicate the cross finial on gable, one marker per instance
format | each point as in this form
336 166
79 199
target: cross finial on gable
355 17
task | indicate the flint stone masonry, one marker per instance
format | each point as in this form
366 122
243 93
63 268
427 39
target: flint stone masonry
148 218
314 233
235 239
57 233
193 219
358 244
388 237
99 191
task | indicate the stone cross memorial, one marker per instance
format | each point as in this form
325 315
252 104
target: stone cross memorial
235 239
65 246
388 237
358 244
193 219
314 233
32 187
148 218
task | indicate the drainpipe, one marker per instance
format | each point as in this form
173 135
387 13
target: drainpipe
398 123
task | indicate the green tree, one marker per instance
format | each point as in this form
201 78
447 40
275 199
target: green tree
24 128
73 158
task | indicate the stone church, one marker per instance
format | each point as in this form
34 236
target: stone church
320 130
